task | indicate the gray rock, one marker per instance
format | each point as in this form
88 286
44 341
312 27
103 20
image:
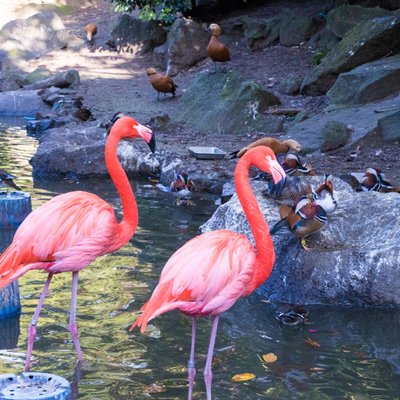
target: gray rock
47 30
362 120
12 80
389 126
354 260
37 75
186 45
295 29
324 39
366 42
261 32
136 35
342 19
334 135
78 150
69 79
225 103
290 85
21 102
368 82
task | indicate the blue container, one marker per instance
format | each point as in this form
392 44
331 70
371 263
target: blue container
34 385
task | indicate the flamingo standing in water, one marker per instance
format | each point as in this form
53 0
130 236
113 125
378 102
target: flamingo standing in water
209 273
71 230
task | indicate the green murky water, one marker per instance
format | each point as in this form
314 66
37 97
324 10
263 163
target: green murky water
340 354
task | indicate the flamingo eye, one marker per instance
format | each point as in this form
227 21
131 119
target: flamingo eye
269 158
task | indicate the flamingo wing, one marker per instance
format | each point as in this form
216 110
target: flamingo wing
204 277
65 234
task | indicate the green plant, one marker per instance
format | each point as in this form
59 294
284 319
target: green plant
319 55
160 10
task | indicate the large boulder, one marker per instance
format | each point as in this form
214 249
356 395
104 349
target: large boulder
137 35
354 259
342 19
186 45
361 120
21 102
47 29
78 150
225 103
366 42
368 82
295 29
389 125
260 32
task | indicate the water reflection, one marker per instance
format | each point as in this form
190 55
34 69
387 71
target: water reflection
358 355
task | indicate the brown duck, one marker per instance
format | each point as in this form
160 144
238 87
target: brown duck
216 50
91 30
161 83
276 145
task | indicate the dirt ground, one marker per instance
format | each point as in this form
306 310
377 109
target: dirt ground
114 81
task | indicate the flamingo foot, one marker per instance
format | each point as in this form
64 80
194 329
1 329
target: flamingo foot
208 377
75 337
31 339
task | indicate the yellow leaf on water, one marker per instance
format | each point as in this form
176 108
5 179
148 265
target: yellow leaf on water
243 377
269 358
312 343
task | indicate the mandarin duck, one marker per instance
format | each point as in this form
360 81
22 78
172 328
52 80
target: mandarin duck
108 123
292 165
291 315
276 145
290 191
161 83
374 180
323 195
304 219
183 187
216 50
6 180
90 30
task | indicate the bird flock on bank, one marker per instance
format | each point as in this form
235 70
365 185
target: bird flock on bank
209 273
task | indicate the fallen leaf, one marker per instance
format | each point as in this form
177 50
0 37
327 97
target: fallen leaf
269 358
312 343
243 377
313 330
156 388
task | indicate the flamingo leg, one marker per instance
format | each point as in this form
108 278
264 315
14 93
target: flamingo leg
207 370
32 325
73 328
191 364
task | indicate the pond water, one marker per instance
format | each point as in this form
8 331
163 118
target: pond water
339 354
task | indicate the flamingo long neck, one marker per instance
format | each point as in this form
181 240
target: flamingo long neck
127 226
264 247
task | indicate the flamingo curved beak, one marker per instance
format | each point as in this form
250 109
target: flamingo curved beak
148 135
278 175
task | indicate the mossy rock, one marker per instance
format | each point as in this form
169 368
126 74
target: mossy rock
225 103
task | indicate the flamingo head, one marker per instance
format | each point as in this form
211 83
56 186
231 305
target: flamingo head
128 128
264 159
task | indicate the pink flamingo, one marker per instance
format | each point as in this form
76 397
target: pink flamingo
71 230
209 273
